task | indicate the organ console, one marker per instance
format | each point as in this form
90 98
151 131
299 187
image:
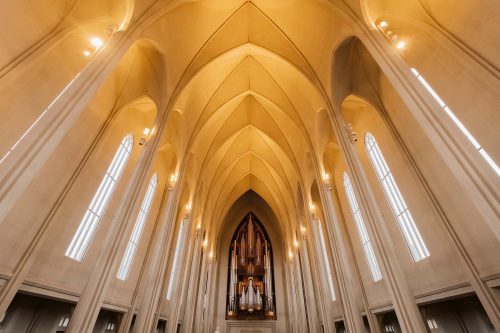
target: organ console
250 277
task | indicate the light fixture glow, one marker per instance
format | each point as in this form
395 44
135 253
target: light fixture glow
198 226
173 178
295 243
290 254
146 131
383 24
401 45
312 207
87 53
302 229
188 207
96 42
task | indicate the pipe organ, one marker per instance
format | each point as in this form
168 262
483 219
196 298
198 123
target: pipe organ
250 276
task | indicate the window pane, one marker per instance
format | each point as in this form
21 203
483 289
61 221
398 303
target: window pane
138 227
85 232
407 226
363 234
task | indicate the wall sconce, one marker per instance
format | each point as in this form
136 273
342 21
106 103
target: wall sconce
350 132
171 182
210 256
391 36
326 180
295 243
204 244
290 255
145 134
303 231
312 209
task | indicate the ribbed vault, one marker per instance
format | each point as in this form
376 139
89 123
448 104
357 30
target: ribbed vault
246 100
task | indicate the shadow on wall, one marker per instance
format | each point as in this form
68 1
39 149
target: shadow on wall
33 314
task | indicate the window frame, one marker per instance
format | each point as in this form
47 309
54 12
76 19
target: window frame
406 224
92 217
135 236
364 237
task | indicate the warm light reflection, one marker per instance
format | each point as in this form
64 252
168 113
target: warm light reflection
96 42
326 177
401 45
146 131
87 53
295 243
302 229
312 207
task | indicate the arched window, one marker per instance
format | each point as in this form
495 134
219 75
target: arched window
457 122
136 233
363 233
175 265
83 236
326 261
414 241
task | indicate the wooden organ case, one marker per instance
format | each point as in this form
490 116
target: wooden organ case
250 273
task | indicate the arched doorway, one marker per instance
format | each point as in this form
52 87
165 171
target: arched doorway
250 287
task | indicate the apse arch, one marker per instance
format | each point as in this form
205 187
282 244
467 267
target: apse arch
250 202
250 273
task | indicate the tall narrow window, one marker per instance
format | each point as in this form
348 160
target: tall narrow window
83 236
363 233
414 241
176 261
327 262
457 122
136 233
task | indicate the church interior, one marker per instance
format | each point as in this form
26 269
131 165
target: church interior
260 166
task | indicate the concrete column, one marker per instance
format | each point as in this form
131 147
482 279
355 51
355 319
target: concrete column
462 159
154 283
305 265
150 261
90 302
464 164
193 289
19 168
403 301
320 276
200 300
33 150
349 282
180 281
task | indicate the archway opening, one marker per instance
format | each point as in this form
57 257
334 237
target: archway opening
250 286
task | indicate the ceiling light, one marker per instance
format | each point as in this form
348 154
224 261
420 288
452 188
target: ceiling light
96 42
401 45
